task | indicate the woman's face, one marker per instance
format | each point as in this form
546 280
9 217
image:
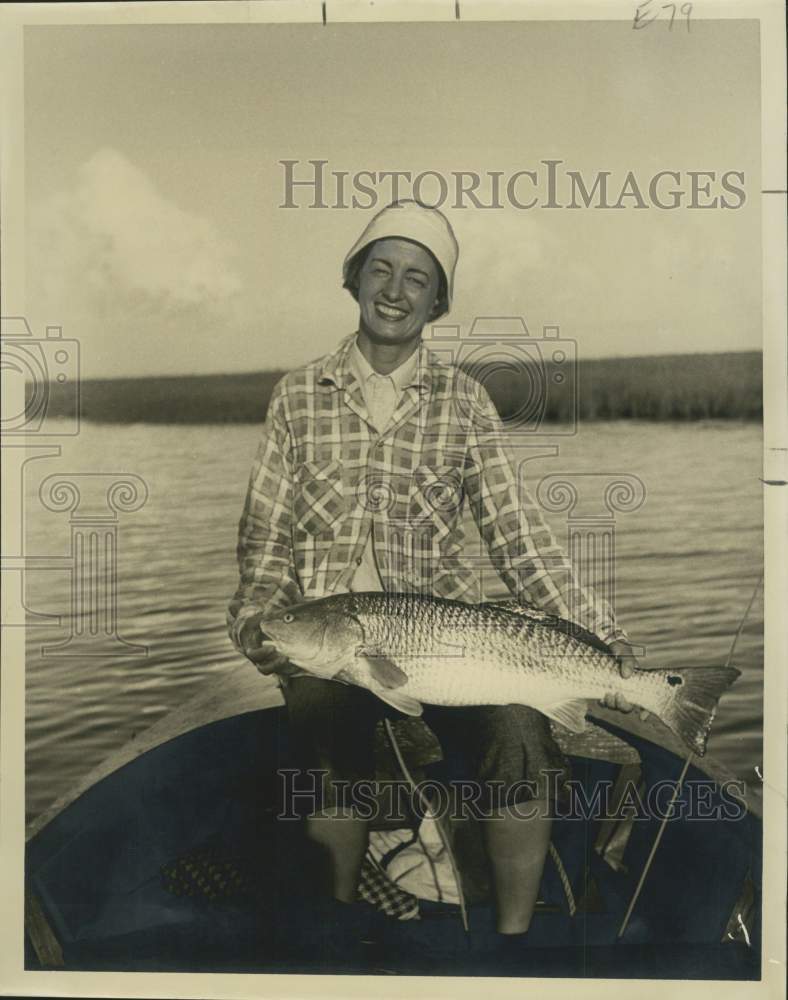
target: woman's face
397 291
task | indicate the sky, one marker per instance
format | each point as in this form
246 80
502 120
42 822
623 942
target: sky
156 236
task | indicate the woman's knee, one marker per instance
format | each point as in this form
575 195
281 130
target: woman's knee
517 756
331 731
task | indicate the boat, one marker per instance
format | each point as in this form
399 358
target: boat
169 857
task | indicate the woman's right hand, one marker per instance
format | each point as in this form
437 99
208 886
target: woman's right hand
258 649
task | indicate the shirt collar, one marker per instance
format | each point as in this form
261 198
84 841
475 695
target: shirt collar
337 366
402 376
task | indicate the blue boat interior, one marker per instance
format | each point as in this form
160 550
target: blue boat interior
177 862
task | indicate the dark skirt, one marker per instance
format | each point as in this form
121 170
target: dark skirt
508 751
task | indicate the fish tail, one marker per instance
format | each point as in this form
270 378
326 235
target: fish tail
689 708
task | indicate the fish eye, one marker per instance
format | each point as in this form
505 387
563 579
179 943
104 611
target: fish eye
288 618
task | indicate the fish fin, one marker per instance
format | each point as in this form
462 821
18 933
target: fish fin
327 671
690 713
545 619
402 702
384 671
516 606
571 714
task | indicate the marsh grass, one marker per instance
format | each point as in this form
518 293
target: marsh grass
669 387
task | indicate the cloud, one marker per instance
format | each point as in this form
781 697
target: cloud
130 235
112 255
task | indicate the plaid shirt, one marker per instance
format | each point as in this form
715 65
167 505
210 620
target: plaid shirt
323 479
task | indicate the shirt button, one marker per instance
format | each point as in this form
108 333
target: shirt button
359 561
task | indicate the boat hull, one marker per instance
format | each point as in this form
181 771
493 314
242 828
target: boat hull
110 876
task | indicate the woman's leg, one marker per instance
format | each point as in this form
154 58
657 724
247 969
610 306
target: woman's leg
517 849
342 838
332 729
510 745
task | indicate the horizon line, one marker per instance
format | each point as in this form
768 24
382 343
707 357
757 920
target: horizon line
279 370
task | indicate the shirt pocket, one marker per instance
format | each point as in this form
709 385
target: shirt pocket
435 498
319 497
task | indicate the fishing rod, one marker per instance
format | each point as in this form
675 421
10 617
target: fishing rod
446 841
679 783
427 806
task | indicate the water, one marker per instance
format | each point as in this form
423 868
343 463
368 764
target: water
687 562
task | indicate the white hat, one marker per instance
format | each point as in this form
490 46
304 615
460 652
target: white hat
410 220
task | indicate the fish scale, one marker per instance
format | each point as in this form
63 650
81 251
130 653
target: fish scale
436 644
410 649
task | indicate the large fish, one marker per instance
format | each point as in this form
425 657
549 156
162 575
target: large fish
410 649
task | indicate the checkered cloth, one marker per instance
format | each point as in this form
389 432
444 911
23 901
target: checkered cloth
323 479
377 888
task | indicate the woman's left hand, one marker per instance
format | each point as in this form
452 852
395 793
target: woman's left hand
628 663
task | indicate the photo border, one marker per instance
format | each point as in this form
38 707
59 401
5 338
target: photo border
13 978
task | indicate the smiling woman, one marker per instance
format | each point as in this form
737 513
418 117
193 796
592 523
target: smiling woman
427 228
397 294
356 265
384 405
400 281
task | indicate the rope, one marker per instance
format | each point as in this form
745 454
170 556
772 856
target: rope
682 776
570 896
428 810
